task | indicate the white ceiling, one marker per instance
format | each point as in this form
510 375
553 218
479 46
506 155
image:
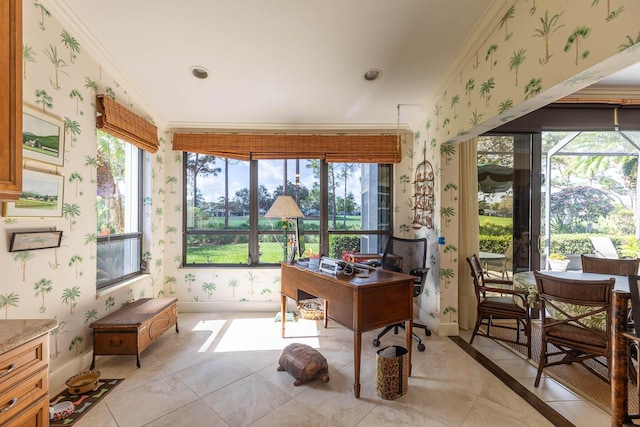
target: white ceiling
275 63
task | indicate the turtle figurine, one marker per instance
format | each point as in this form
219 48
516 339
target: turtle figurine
304 363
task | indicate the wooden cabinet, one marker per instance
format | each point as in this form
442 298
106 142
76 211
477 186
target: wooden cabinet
134 327
24 385
10 99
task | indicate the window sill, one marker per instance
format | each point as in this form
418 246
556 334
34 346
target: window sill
106 291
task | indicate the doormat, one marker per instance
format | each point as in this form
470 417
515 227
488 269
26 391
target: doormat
83 402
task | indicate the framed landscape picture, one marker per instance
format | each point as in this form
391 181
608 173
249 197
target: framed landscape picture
42 195
42 136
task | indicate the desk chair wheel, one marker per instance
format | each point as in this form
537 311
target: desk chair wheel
376 342
421 347
427 332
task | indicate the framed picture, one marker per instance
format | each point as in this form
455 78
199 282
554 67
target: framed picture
42 136
42 195
32 240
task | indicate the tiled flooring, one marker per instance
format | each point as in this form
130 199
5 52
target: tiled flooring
220 370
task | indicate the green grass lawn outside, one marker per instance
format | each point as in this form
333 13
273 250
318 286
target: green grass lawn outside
497 220
237 253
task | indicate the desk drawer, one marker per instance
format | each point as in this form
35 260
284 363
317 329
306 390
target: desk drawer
115 341
23 394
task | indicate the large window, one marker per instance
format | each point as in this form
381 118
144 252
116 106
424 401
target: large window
118 206
346 207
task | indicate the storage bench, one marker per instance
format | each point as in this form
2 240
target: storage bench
134 327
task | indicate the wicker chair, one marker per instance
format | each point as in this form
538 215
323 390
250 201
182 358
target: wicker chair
497 299
616 267
567 306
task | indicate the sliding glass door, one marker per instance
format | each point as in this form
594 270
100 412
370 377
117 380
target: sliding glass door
508 170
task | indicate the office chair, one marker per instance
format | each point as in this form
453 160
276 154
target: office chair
406 256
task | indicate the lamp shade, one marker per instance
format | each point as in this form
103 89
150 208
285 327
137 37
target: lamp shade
284 207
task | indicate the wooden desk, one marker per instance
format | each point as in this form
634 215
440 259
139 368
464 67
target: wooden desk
360 304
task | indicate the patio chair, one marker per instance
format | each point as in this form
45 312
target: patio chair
570 308
604 247
616 267
497 299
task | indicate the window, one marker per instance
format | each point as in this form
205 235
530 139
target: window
119 210
346 207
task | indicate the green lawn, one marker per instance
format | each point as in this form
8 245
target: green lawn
497 220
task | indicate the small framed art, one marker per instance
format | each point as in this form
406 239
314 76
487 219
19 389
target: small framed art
42 136
32 240
42 195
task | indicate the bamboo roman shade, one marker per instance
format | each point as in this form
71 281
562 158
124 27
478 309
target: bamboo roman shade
122 123
352 148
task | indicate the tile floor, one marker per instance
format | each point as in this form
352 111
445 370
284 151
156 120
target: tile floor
220 370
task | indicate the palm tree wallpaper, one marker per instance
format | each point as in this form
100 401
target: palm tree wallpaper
530 54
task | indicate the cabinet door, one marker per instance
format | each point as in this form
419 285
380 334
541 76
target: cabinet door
11 99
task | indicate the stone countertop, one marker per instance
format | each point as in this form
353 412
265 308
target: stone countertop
15 332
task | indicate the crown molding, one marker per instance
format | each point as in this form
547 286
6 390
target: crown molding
61 11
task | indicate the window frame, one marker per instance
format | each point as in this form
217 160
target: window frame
254 233
129 236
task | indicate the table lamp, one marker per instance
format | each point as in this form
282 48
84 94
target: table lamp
286 208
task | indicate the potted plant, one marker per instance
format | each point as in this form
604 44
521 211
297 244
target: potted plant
558 262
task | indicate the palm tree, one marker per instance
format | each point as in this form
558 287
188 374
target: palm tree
549 26
71 44
90 315
468 87
450 249
72 127
505 105
446 213
171 231
447 274
70 211
75 94
489 56
171 180
189 278
91 162
55 333
28 55
485 90
74 343
437 110
630 42
505 21
209 287
43 12
76 259
42 286
109 303
455 100
574 38
233 284
450 187
43 98
58 64
69 296
252 279
8 300
75 177
90 239
170 280
92 86
516 61
449 310
533 88
266 292
22 258
448 151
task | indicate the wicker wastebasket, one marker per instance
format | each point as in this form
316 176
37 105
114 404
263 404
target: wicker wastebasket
393 372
